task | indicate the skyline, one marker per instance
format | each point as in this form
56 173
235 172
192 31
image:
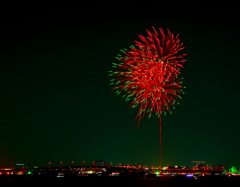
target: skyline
57 104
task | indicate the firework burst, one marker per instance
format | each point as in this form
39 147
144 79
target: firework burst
147 74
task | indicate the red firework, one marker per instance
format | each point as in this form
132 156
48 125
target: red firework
162 47
148 73
154 90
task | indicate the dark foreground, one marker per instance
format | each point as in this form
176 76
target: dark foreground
165 181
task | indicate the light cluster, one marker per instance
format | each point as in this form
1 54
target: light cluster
147 73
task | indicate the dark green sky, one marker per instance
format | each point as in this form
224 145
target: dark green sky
56 103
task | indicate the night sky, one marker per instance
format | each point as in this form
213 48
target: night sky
56 103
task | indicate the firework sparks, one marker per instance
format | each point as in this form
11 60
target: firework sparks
147 74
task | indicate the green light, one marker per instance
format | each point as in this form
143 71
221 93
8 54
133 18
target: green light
233 169
19 164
